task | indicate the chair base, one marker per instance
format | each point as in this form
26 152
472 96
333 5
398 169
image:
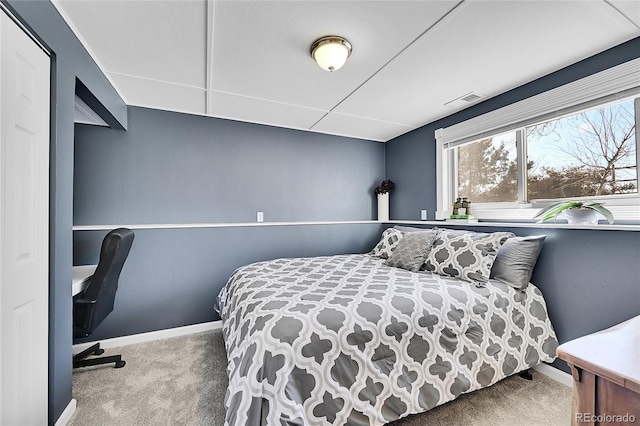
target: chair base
79 361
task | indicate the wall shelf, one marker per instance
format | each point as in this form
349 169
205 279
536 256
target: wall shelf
217 225
601 227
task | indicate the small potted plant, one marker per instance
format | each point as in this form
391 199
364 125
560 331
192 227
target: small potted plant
576 212
382 191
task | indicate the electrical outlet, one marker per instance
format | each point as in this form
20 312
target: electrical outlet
260 216
423 215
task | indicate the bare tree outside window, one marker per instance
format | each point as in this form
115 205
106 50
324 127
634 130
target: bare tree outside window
589 154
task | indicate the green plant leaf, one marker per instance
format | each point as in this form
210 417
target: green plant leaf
554 209
574 204
544 210
555 212
602 210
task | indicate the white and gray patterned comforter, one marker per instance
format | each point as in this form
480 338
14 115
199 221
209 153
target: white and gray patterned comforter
346 340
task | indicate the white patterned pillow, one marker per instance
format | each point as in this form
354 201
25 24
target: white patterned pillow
412 250
387 244
468 256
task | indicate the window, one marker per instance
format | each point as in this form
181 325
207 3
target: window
589 154
512 161
486 170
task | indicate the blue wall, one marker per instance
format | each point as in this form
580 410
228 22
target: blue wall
172 276
589 277
69 61
178 168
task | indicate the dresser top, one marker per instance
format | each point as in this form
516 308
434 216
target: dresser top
613 353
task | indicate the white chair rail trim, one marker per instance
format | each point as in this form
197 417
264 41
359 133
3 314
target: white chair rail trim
215 225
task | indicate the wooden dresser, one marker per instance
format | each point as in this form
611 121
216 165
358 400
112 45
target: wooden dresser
606 375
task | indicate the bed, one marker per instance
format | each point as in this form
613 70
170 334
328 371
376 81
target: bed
348 339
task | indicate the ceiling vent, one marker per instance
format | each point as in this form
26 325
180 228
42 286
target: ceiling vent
464 100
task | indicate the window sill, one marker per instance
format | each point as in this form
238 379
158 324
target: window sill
215 225
621 213
546 225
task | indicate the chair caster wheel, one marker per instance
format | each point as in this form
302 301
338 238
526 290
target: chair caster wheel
119 364
98 352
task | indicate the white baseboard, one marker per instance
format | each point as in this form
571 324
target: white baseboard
150 336
555 374
67 413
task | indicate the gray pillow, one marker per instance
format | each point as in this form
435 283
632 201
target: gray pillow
468 256
387 244
516 259
412 250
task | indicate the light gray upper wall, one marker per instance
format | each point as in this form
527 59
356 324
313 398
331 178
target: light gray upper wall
179 168
69 61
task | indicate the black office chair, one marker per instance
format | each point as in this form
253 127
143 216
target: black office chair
92 306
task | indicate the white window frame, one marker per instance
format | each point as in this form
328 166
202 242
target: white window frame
614 84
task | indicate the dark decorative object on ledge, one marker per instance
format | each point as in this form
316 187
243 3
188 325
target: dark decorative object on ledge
385 187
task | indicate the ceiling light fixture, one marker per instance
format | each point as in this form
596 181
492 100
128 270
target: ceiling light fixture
331 52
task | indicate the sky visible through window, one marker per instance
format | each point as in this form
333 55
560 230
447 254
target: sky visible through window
591 153
595 149
553 150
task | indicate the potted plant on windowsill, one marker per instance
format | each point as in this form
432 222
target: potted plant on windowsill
382 191
576 212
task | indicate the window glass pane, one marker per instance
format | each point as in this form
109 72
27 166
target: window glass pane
487 170
588 154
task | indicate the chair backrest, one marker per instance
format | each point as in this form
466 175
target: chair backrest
93 305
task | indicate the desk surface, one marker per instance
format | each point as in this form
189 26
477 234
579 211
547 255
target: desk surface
613 353
80 277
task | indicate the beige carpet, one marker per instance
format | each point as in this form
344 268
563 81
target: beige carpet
182 381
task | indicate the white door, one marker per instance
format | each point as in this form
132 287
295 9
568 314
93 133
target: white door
24 227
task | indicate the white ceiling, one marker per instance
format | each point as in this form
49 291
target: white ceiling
250 61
